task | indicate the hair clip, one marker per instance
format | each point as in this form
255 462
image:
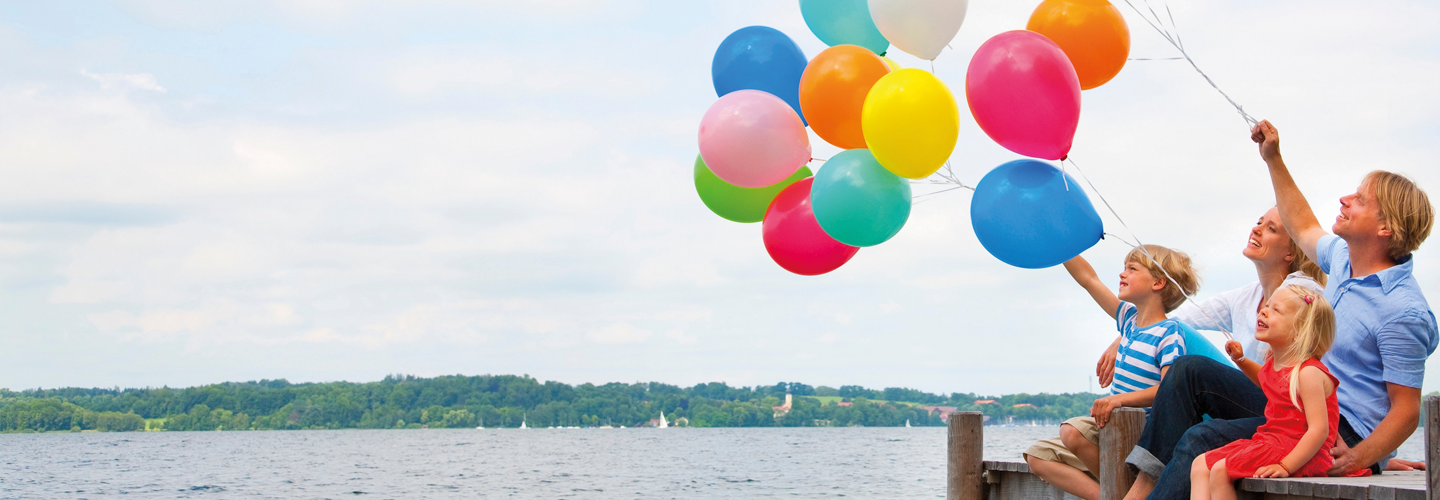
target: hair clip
1309 298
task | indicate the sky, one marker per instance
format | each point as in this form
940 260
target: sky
327 190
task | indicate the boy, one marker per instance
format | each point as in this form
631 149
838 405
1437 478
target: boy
1150 343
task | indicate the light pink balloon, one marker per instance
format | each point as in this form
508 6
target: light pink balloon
1023 92
753 139
794 238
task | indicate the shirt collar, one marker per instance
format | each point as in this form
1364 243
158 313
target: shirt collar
1393 275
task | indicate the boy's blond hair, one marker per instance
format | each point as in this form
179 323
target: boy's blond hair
1173 265
1314 333
1405 209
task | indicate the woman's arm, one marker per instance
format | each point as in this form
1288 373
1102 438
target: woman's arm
1105 368
1100 411
1314 387
1086 277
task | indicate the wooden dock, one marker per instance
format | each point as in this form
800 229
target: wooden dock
971 477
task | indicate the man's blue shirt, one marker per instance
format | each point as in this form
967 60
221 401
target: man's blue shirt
1384 331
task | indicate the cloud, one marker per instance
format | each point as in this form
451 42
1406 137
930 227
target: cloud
619 333
125 81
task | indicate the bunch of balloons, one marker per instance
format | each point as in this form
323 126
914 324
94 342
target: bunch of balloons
895 124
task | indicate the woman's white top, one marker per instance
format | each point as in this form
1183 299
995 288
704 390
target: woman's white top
1235 311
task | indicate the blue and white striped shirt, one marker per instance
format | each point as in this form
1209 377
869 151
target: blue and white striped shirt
1144 350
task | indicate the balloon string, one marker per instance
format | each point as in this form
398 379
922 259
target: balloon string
1173 36
1141 246
1154 59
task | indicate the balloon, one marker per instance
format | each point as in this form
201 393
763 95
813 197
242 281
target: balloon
894 66
793 238
752 139
840 22
911 123
921 27
1091 32
1029 214
1024 94
1197 345
759 58
833 89
736 203
858 202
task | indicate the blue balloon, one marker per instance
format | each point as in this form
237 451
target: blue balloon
1029 214
858 202
759 58
1197 345
839 22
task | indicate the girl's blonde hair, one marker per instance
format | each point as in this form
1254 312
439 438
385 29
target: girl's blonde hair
1313 335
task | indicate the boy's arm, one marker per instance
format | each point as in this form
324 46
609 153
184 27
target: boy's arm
1100 411
1295 212
1086 277
1312 391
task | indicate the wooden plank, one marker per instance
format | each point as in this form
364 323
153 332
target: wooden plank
966 458
1432 447
1024 486
1116 439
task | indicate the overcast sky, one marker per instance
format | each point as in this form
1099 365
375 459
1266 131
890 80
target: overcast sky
330 190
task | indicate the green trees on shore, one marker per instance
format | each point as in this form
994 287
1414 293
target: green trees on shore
497 401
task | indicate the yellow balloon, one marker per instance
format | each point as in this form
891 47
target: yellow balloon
911 122
894 66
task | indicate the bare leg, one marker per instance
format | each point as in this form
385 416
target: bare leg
1221 488
1086 451
1144 484
1199 479
1065 477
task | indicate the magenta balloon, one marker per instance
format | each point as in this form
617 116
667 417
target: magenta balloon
753 139
794 238
1024 93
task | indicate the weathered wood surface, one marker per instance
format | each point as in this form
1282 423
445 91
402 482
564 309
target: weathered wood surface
966 453
1387 486
1116 439
1431 406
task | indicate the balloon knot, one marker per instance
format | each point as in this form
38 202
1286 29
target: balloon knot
1063 158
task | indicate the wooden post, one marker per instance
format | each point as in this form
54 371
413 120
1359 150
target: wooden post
1432 447
1116 440
965 464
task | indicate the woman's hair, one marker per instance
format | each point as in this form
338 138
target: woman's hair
1313 334
1300 262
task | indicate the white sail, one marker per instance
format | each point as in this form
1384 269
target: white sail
663 423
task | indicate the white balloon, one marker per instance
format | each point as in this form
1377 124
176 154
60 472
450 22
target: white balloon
921 27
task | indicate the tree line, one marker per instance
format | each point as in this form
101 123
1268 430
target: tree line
498 401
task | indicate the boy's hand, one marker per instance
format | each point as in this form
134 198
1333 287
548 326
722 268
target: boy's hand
1268 138
1275 470
1235 350
1100 411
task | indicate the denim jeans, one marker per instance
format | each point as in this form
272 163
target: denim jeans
1176 432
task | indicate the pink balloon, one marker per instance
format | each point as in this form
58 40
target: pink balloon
794 238
1024 93
753 139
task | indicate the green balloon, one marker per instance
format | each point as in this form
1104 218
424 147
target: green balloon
734 202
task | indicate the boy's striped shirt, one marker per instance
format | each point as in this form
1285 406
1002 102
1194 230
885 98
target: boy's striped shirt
1144 350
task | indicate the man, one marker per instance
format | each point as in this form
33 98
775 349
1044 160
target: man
1385 330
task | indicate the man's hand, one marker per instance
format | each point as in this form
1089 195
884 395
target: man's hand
1344 459
1235 350
1100 411
1268 138
1404 465
1105 369
1275 470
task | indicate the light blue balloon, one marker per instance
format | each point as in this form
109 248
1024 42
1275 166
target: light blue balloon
839 22
1029 214
1197 345
858 202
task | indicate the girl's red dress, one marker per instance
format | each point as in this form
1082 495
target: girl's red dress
1284 426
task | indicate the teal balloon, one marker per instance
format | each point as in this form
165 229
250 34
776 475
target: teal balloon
857 201
839 22
734 202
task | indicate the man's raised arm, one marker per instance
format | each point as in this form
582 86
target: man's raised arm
1295 212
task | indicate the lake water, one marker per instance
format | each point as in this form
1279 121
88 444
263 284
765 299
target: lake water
499 463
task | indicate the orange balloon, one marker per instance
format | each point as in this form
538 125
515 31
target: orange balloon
1091 32
833 90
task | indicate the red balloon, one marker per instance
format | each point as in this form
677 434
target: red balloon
794 238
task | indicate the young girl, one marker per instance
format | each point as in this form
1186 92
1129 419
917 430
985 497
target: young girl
1301 413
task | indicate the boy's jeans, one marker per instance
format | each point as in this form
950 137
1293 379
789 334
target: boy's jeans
1175 433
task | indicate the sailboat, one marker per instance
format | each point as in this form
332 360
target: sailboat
482 424
522 421
663 423
907 423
